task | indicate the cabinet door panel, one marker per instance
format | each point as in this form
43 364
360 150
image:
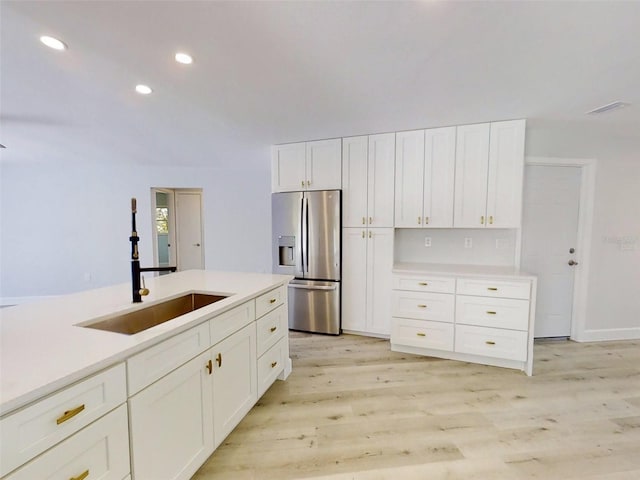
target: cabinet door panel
409 178
379 280
506 167
171 423
354 181
288 163
381 180
354 279
234 380
324 165
439 171
472 157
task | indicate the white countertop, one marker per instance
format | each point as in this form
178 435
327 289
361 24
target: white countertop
42 349
493 271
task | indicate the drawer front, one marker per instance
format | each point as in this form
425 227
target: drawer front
271 328
270 300
424 283
154 363
230 322
494 288
422 333
30 431
492 312
422 306
101 449
491 342
270 365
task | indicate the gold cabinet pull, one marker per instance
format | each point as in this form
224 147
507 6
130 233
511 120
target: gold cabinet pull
426 220
422 305
219 359
302 183
273 364
308 183
491 220
209 366
423 284
420 334
370 234
82 476
364 221
273 329
419 220
69 414
482 220
273 300
370 220
493 289
490 342
490 312
362 233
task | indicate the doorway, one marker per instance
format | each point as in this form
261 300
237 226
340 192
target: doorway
178 238
556 231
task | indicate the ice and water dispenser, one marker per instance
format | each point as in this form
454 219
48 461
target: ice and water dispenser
286 251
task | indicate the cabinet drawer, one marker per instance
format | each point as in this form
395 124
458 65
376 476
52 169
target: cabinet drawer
271 328
270 365
424 283
230 322
154 363
422 305
492 312
101 449
494 288
30 431
422 333
270 300
491 342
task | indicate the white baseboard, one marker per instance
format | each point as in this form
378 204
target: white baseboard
605 334
7 301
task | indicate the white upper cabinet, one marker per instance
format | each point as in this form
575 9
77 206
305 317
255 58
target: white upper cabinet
506 169
489 169
425 167
306 166
367 180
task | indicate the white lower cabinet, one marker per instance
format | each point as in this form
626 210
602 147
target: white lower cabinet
234 380
485 320
99 451
172 424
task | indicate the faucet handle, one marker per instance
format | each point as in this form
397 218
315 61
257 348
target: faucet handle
144 291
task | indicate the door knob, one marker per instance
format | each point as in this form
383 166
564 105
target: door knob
196 244
572 263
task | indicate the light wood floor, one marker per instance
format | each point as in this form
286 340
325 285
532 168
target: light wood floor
352 409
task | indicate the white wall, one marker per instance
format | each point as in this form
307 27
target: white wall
66 228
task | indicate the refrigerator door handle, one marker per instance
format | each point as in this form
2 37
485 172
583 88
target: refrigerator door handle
305 234
311 287
302 235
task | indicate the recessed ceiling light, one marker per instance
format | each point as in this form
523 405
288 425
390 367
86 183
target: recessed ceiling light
53 43
184 58
143 89
608 107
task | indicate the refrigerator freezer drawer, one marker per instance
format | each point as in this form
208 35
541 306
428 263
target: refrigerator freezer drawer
314 306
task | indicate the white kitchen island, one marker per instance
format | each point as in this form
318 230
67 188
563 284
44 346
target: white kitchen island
75 400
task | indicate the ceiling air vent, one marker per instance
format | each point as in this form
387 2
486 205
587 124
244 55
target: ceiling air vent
607 108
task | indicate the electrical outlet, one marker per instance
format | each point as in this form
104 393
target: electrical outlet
468 242
427 241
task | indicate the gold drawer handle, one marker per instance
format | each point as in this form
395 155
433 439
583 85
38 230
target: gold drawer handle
82 476
493 289
490 342
422 305
273 364
70 414
489 312
273 300
273 329
423 284
219 359
421 334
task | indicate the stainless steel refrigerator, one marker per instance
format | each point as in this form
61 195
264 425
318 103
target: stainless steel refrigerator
306 244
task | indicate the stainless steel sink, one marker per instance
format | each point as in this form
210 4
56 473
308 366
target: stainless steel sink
135 322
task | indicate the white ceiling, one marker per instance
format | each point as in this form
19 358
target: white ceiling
275 72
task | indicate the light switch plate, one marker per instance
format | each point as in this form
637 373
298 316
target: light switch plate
427 241
468 242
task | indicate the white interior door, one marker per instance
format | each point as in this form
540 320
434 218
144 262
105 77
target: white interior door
189 230
549 233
